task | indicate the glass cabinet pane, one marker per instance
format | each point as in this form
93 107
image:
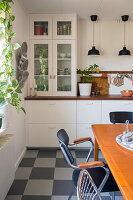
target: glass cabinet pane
63 67
41 66
40 28
64 28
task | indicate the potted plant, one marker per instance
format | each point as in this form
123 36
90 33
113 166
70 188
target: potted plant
9 87
85 84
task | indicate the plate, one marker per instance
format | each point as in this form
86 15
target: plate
127 145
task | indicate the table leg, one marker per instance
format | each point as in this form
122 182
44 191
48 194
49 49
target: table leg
95 150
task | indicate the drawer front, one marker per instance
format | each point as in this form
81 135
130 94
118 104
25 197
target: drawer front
88 111
51 112
110 106
84 130
45 135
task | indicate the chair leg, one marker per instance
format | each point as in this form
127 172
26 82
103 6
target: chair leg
113 195
71 194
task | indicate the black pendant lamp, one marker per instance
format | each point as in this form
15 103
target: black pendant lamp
93 51
124 51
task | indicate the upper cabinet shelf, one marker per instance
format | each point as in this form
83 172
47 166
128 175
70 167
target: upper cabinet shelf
65 26
54 26
40 26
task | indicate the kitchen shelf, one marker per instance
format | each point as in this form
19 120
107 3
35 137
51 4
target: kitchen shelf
110 72
64 59
64 75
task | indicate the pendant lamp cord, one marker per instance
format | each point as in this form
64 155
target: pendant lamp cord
124 32
93 32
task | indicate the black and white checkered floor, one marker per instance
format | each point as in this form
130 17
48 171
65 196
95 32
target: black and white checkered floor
43 175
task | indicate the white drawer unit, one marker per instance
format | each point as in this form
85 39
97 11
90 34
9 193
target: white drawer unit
84 130
45 135
115 105
88 111
51 112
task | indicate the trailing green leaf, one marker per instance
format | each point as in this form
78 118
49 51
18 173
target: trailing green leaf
9 88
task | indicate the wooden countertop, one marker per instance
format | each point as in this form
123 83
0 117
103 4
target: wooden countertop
119 160
107 97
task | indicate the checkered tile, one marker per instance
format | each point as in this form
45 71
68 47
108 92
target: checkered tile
44 175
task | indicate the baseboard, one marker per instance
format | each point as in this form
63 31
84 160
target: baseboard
20 158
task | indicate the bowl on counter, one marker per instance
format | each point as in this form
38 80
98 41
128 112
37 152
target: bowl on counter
127 93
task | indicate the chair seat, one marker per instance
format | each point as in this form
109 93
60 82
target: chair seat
97 175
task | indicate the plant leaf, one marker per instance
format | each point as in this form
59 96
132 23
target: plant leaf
14 82
18 90
17 46
23 110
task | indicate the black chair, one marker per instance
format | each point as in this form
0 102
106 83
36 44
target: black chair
121 117
64 143
95 180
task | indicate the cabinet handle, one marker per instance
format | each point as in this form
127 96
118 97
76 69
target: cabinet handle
127 103
51 127
52 104
89 104
50 77
54 77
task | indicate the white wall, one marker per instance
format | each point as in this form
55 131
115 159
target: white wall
109 41
17 121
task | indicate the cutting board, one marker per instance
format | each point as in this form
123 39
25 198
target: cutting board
100 84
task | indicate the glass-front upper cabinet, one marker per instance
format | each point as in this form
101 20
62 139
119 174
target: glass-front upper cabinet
64 26
41 66
40 26
64 70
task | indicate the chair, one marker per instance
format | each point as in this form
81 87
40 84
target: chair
64 143
121 117
95 180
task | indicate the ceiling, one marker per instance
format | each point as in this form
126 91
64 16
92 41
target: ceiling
105 9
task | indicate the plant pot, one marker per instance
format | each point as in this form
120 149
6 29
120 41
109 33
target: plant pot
85 89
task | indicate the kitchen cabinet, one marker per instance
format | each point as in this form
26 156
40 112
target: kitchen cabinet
45 135
110 106
53 55
84 130
40 26
41 66
89 112
64 68
45 118
64 26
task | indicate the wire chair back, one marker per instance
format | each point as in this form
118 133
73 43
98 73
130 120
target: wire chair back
87 189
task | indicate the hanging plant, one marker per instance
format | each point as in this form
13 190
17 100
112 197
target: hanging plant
9 87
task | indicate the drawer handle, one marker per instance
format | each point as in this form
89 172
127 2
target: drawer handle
52 104
127 103
89 104
51 127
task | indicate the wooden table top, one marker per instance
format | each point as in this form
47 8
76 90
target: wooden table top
119 160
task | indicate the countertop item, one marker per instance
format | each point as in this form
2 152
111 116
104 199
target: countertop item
105 97
119 160
127 93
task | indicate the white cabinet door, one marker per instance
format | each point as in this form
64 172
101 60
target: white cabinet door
41 66
51 112
84 130
45 135
64 68
64 26
40 26
110 106
88 111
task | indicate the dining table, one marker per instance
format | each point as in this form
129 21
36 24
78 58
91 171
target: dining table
118 158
